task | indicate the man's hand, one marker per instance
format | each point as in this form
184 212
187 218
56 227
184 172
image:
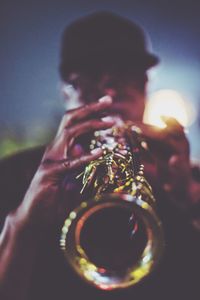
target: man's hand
42 204
169 149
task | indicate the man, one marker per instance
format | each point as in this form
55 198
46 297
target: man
103 57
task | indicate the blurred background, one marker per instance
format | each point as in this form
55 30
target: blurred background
31 101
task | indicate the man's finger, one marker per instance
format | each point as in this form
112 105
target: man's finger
165 140
63 166
86 127
85 112
172 123
79 162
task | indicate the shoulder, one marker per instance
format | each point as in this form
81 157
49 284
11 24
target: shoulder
26 157
21 165
16 173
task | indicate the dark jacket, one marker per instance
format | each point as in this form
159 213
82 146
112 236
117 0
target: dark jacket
177 276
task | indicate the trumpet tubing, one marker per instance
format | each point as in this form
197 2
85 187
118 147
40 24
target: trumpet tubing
114 239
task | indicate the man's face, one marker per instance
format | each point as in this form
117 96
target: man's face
128 96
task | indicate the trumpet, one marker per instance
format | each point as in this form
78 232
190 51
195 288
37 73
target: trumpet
114 239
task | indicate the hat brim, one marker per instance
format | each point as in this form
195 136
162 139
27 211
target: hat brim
151 60
101 61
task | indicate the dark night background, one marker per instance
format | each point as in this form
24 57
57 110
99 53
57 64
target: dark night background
30 32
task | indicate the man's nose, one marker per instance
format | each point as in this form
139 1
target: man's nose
111 87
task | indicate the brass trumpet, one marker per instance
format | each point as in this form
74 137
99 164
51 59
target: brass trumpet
115 239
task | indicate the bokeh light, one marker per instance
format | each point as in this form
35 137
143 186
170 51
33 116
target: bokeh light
169 103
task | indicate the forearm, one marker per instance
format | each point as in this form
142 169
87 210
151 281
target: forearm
18 250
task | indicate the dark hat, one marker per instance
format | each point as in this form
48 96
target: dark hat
103 40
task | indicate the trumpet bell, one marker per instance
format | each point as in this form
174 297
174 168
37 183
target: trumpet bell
113 241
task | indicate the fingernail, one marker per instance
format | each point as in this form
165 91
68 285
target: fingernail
105 99
96 151
108 119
